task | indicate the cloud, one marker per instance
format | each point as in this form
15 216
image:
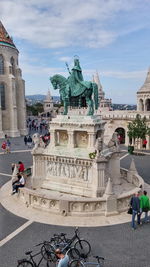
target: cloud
137 75
65 59
56 24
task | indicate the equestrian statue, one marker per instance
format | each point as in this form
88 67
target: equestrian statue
74 91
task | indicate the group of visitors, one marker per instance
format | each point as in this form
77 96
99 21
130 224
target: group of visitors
139 203
19 181
6 146
28 141
36 125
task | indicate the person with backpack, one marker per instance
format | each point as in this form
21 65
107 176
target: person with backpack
145 205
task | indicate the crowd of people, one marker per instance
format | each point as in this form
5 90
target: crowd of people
139 204
38 125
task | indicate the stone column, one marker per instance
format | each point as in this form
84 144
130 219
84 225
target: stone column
53 138
91 141
98 181
13 132
71 141
1 130
114 168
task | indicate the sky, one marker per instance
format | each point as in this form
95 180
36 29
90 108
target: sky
109 36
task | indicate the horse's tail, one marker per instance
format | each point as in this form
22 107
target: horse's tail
95 90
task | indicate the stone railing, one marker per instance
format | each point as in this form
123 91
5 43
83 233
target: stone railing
137 180
106 205
123 114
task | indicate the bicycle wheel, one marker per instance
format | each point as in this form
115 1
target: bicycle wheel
25 263
47 251
73 253
76 263
83 247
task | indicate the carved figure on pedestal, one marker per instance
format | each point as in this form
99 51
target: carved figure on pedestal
38 142
114 142
99 146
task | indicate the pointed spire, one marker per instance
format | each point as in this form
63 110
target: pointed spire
97 80
48 97
132 166
109 189
146 85
5 39
14 174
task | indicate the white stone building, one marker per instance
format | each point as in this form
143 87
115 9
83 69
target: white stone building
118 120
12 89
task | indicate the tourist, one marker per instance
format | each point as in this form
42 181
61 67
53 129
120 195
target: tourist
144 142
8 145
19 183
25 140
145 205
63 259
135 204
4 146
20 167
29 141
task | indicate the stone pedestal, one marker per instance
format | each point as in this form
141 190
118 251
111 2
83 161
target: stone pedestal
114 168
65 165
99 167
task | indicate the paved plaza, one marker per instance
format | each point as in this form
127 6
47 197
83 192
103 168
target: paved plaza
119 244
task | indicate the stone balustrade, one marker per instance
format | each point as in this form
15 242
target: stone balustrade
82 207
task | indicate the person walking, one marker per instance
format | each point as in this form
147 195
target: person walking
29 141
144 143
8 145
135 204
25 140
145 205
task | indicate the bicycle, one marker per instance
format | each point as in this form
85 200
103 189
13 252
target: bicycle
83 263
82 246
50 257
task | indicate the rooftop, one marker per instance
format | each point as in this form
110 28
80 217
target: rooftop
5 39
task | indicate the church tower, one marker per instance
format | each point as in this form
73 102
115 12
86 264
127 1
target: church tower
143 95
12 89
48 103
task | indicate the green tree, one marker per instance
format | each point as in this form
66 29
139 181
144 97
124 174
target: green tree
35 109
137 130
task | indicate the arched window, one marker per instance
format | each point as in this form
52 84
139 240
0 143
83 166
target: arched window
12 61
2 95
1 64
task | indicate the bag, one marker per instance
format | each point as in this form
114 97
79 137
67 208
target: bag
145 209
129 211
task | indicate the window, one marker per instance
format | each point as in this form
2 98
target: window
1 64
2 95
12 61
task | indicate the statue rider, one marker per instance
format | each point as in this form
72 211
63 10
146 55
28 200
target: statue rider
76 76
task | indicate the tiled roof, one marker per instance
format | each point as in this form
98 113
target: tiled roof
5 39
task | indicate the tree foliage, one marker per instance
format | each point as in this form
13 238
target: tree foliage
35 109
138 128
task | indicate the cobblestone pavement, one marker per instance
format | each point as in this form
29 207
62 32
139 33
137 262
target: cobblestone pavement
119 244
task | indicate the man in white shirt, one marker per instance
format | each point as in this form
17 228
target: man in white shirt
19 183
